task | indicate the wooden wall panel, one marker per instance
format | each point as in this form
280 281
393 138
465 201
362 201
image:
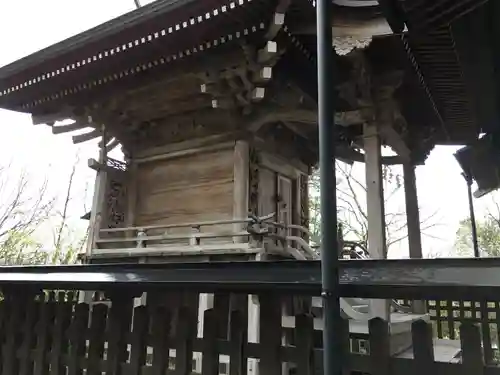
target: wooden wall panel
186 189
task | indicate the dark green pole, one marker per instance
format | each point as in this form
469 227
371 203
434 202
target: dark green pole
332 337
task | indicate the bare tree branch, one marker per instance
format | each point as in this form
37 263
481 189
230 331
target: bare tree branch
23 206
352 206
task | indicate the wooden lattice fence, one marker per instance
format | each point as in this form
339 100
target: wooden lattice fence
53 333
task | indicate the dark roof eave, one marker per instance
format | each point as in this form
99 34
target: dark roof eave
114 26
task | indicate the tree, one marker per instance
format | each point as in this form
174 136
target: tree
488 238
24 206
20 249
26 209
66 243
488 232
351 205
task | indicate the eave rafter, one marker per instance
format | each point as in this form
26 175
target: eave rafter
80 122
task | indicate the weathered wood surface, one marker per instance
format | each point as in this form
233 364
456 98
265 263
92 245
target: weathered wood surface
186 189
52 333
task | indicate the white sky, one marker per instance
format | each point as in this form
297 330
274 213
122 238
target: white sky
29 25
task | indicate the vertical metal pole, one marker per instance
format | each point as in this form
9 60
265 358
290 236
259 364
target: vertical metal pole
332 343
468 179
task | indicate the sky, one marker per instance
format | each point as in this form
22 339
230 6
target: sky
29 25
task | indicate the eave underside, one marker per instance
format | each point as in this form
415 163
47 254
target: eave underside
215 68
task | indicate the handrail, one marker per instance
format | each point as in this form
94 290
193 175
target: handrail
304 245
252 220
290 226
164 237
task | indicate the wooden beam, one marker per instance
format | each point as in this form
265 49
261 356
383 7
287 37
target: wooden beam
349 118
112 145
86 136
343 26
395 141
60 129
49 118
268 52
109 142
348 154
303 116
193 143
263 75
258 94
277 23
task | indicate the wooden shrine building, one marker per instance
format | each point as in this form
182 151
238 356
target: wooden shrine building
214 105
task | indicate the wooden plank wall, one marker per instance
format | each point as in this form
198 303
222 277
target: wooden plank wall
186 189
51 333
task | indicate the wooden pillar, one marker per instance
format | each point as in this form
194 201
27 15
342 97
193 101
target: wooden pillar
96 210
375 207
413 221
241 182
412 211
98 198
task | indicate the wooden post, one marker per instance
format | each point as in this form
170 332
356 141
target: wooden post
412 211
472 356
380 358
375 207
98 199
413 222
132 194
423 347
253 330
241 182
97 206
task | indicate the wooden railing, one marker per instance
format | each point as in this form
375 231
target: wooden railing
209 237
248 235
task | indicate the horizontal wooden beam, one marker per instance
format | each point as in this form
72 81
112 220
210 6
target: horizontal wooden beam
60 129
86 136
49 119
349 27
462 279
303 116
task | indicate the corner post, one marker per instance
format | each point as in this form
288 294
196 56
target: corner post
377 247
98 198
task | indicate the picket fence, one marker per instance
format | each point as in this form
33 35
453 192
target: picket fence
53 333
